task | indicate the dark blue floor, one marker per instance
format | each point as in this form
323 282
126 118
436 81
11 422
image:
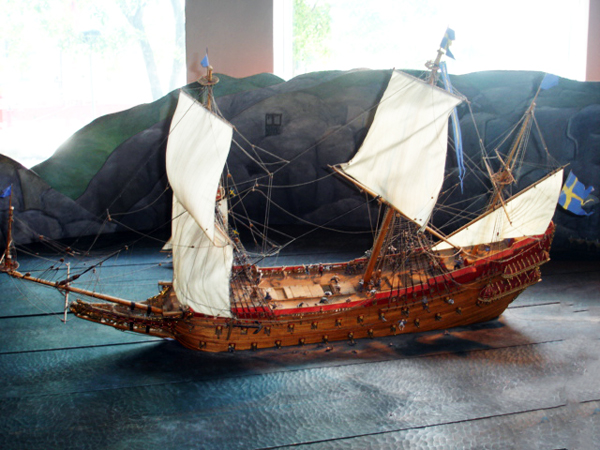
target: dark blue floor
528 380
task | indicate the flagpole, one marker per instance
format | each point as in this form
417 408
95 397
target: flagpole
208 80
8 264
67 294
434 66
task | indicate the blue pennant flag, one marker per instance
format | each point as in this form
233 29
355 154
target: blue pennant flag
574 195
6 192
549 81
447 41
204 61
455 128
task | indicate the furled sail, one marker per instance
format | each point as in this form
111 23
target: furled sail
530 213
403 155
197 150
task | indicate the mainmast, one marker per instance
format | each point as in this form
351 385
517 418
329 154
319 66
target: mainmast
381 237
392 208
434 66
384 229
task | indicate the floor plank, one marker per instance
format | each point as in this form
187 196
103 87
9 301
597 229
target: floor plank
526 380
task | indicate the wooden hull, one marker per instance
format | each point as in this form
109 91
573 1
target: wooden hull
477 292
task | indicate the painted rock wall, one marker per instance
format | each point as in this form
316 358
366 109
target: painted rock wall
40 210
114 167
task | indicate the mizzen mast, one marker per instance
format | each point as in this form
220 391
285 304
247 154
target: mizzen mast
505 176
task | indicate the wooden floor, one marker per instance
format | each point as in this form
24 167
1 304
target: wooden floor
528 380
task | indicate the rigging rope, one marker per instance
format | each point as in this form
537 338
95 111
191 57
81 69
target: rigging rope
241 192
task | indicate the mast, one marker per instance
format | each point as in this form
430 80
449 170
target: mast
8 264
209 80
197 150
504 176
7 258
383 232
385 227
402 159
67 294
434 66
392 209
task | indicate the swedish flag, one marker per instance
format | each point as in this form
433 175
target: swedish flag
574 195
447 41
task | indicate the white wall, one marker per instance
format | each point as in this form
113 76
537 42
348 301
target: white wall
238 34
593 44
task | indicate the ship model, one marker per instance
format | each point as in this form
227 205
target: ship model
413 279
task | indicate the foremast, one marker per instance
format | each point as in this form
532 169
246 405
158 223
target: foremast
210 267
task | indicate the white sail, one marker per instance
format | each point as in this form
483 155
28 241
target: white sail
198 146
530 213
201 269
404 153
197 150
168 246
